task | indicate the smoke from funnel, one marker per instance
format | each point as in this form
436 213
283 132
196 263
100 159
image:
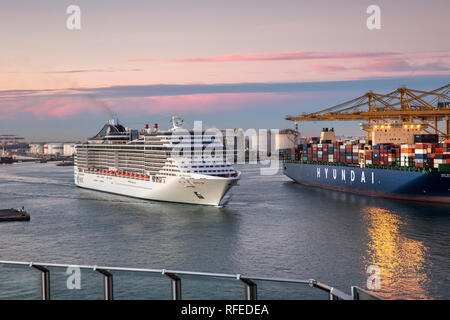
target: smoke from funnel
102 105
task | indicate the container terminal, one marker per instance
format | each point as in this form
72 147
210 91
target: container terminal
405 155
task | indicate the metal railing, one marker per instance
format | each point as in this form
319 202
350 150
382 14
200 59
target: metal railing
173 275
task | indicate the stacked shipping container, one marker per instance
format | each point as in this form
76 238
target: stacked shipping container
442 155
419 155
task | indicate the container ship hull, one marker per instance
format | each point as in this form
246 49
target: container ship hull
397 184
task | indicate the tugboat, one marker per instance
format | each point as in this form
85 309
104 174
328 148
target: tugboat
14 215
6 158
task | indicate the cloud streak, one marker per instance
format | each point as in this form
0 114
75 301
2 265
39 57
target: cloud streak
284 56
90 70
386 66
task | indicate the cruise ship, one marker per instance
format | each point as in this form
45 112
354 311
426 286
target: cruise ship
158 165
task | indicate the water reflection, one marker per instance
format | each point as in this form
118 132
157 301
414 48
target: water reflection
401 259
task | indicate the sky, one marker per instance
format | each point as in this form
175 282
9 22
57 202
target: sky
228 63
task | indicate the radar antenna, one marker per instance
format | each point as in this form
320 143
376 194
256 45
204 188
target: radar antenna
177 122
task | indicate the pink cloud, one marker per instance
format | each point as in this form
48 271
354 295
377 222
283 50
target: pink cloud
68 106
294 55
42 107
389 65
59 107
140 60
204 103
325 67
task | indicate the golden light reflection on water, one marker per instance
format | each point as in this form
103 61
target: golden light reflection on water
401 259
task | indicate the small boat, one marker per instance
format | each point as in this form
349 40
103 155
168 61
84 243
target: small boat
14 215
65 164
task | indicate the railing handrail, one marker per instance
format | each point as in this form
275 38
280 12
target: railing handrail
160 271
176 281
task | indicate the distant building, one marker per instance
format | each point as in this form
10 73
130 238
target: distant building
69 149
287 139
282 141
9 140
54 148
36 148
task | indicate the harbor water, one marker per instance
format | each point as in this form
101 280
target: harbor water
270 227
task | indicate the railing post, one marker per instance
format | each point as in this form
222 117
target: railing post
250 289
107 284
175 286
45 281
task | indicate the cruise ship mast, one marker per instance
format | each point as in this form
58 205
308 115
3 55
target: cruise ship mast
177 122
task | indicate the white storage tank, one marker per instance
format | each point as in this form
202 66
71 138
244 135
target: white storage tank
36 148
69 149
286 139
54 148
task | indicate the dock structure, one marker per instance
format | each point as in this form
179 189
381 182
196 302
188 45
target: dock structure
13 215
174 276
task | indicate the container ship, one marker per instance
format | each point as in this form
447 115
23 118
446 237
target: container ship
154 164
418 170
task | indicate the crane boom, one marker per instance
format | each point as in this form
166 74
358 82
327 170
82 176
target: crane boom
404 105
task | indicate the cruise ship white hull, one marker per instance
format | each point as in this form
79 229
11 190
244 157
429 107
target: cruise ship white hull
190 188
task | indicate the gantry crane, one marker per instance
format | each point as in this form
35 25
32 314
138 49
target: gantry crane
405 107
